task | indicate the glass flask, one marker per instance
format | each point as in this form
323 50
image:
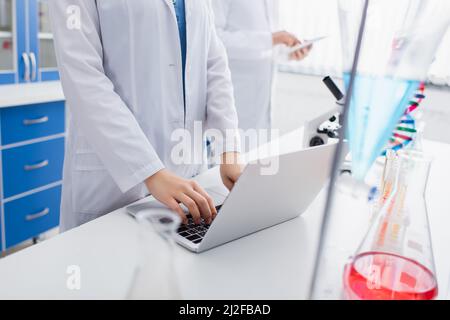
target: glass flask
388 47
395 259
155 277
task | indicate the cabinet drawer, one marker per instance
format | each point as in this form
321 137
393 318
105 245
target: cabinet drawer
32 215
31 122
32 166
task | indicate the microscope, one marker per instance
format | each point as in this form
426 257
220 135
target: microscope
327 126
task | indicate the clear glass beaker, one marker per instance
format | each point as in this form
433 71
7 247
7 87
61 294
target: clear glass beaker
395 259
155 276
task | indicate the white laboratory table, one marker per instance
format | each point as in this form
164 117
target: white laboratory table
272 264
13 95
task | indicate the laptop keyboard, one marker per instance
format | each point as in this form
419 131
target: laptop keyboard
194 232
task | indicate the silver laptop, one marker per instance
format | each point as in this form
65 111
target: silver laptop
258 200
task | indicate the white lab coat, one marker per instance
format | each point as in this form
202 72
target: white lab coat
121 75
246 27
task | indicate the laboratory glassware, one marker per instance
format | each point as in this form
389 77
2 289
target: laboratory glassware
155 274
395 259
388 47
387 181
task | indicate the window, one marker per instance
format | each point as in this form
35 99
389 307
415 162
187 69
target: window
310 19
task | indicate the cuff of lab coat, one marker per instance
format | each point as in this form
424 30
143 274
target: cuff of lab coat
232 143
141 175
266 40
231 147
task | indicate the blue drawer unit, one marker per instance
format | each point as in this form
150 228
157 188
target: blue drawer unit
32 166
32 215
31 122
32 143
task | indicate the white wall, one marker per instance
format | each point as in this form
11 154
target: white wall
312 18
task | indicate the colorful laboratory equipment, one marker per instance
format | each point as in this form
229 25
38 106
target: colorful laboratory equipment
400 41
407 129
388 47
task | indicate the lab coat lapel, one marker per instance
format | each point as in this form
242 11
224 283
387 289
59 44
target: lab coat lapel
187 14
170 5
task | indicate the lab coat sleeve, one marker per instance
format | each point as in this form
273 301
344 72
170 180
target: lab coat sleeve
241 44
98 111
221 109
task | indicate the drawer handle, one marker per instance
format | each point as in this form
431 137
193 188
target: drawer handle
30 122
33 66
27 70
38 215
40 165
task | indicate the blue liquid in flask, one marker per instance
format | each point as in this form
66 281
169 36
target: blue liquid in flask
376 106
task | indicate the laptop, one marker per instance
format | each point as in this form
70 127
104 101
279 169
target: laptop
258 200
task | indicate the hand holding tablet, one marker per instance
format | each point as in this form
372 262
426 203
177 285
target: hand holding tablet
305 44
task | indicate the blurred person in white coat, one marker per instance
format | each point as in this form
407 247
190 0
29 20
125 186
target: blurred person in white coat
133 73
250 33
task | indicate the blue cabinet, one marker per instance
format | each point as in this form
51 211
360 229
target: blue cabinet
31 215
25 123
26 42
31 165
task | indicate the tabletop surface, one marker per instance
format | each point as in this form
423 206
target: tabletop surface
13 95
272 264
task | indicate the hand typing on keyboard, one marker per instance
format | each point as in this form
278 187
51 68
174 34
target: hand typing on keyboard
172 191
192 231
